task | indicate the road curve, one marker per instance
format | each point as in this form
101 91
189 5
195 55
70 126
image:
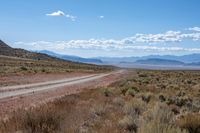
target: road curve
18 90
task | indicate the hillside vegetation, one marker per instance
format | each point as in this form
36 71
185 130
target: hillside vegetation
12 65
144 102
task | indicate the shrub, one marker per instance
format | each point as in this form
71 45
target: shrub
42 120
143 75
98 110
107 92
181 93
24 68
155 127
190 121
128 89
159 120
146 98
135 89
162 98
134 107
128 123
162 114
123 90
181 101
119 101
43 70
131 92
170 101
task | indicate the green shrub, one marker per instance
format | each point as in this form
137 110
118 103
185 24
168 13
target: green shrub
43 70
107 92
130 92
24 68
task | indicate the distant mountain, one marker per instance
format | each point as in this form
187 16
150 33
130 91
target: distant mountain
72 58
21 53
184 58
155 61
116 60
194 64
191 58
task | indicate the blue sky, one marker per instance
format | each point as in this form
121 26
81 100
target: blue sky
91 28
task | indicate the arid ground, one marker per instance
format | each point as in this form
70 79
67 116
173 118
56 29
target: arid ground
137 101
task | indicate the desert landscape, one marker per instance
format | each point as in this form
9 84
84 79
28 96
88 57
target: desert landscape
99 66
143 101
53 95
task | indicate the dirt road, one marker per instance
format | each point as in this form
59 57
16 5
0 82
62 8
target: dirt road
20 96
11 91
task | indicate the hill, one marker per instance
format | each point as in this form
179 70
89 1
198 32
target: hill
20 61
21 53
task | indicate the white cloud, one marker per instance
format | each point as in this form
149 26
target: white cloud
136 42
73 18
58 13
101 17
194 29
99 45
169 36
61 13
193 36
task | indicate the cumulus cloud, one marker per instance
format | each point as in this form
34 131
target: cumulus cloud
100 45
58 13
149 42
193 36
194 29
61 13
169 36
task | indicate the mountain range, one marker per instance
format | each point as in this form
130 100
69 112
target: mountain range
155 60
185 60
190 58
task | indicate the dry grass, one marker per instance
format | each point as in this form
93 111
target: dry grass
129 123
40 120
10 66
144 102
190 121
